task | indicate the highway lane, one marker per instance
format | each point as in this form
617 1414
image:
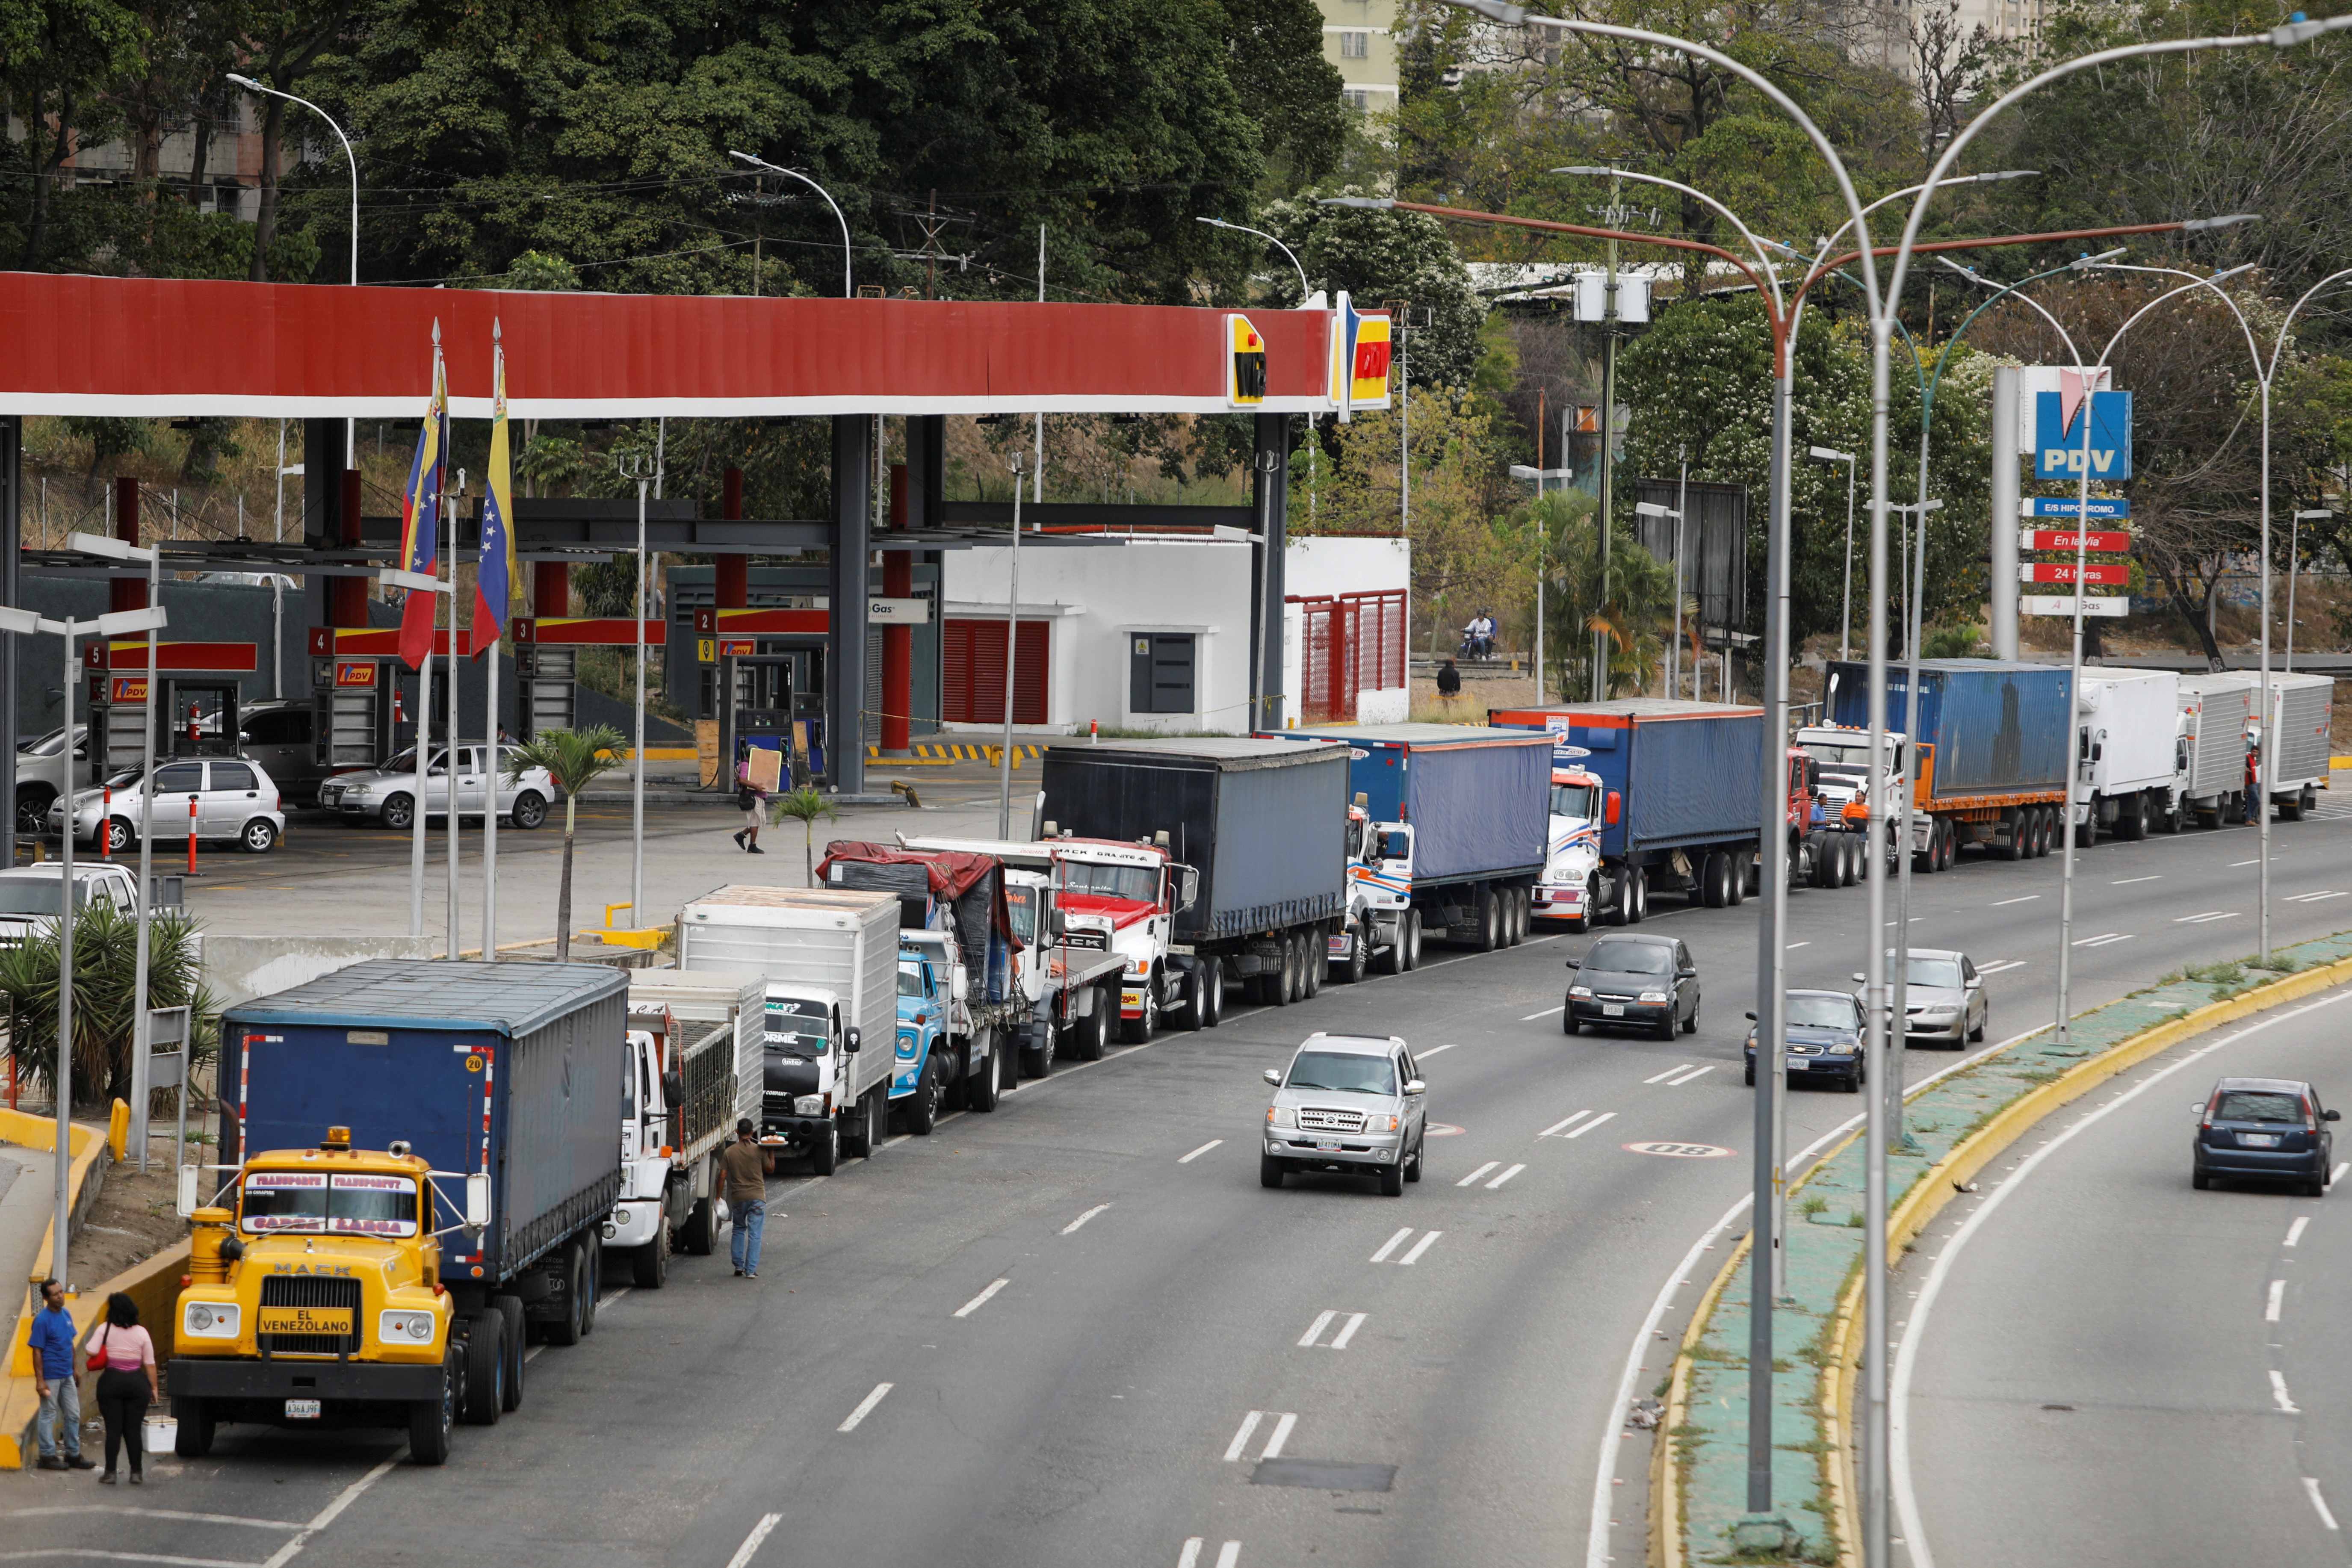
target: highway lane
1082 1412
2140 1372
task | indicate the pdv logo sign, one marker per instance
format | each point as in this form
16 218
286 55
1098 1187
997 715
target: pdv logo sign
2058 448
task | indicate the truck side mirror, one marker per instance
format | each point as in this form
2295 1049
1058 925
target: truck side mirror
478 1200
1191 890
850 1040
1616 803
1273 1077
184 1192
673 1089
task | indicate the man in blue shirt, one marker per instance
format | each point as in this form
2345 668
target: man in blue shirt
53 1380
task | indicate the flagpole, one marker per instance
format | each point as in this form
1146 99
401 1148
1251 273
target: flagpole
494 515
423 666
450 753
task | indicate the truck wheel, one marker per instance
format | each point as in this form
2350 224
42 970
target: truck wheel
1637 895
923 1105
1409 935
1392 962
824 1158
565 1331
592 1277
486 1370
1359 962
1138 1030
194 1438
1489 920
1037 1059
2045 832
1214 979
699 1235
980 1086
2291 810
1393 1180
1740 867
1311 963
1279 984
1621 898
1715 880
2014 823
431 1421
510 1309
2169 817
1196 1000
649 1266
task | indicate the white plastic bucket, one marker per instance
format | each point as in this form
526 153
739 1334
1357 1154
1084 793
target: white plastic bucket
163 1434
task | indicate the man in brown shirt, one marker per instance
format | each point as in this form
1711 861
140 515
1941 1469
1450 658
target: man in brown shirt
747 1166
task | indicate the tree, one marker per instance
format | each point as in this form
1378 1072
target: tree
804 805
105 966
1378 256
574 760
281 41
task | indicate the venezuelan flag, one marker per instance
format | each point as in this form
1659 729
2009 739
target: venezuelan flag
420 515
495 589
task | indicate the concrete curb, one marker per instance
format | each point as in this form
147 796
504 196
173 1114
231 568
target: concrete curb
18 1403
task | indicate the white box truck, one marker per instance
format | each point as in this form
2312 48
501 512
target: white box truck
2215 710
694 1066
2126 751
2302 709
830 958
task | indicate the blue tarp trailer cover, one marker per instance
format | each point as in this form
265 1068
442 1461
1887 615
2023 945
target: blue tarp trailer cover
1997 727
515 1068
1478 800
1685 772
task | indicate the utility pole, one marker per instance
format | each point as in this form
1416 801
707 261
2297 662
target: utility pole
1608 440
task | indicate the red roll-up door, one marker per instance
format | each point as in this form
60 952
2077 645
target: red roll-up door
971 686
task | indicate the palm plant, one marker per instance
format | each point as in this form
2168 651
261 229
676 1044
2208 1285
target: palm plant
806 806
105 961
573 759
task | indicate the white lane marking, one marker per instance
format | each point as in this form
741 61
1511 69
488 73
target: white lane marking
2104 941
1555 1126
155 1513
1545 1014
2278 1393
1907 1351
1997 968
1190 1556
2294 1231
2027 899
1229 1554
2270 1309
1795 945
1354 1321
329 1514
2336 1174
1306 1340
1084 1218
2311 898
1200 1150
1668 1073
1694 1074
1447 1046
2235 864
1604 1116
126 1556
768 1521
966 1310
865 1407
1471 1178
1423 1245
2311 1488
1241 1438
1281 1429
2128 881
535 1351
2208 915
1392 1245
1505 1177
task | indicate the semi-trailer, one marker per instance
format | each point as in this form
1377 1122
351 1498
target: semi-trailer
1451 842
420 1160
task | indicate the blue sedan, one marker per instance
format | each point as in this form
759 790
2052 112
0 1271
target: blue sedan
1825 1040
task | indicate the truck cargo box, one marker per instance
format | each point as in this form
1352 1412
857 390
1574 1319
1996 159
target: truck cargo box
2303 708
514 1068
826 939
720 1086
1263 822
1995 728
2134 716
1479 800
2218 707
1683 773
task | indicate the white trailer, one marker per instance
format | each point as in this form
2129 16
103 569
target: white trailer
2215 710
694 1066
830 958
2303 707
2126 751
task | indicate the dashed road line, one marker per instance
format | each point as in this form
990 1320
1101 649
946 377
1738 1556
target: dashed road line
1473 1178
2103 939
1692 1075
1545 1014
2278 1393
2027 899
2278 1294
1339 1340
1423 1245
1997 968
2235 864
1604 1116
1447 1046
1348 1331
2311 1489
1200 1150
1668 1073
768 1521
2294 1231
2336 1174
1084 1218
2208 915
1227 1555
1392 1245
1505 1177
2128 881
1553 1130
969 1307
865 1406
2312 897
1284 1420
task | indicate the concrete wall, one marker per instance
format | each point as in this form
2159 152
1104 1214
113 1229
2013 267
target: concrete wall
239 968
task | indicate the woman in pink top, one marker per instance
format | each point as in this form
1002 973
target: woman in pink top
127 1384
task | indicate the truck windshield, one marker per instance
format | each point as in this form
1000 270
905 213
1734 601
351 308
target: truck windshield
798 1028
1022 902
1342 1072
1136 884
1572 800
340 1204
910 981
1853 758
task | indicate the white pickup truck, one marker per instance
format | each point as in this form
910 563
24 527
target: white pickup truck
28 894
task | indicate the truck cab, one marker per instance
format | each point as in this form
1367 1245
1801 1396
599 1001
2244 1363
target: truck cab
314 1298
916 1075
1124 899
648 1141
1567 888
803 1069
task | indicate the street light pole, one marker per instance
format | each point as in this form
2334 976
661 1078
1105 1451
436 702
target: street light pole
1238 228
634 467
1846 602
351 427
848 290
1012 656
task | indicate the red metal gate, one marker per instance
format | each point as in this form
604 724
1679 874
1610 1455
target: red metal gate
1351 643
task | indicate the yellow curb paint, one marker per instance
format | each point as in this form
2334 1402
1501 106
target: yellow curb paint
1665 1476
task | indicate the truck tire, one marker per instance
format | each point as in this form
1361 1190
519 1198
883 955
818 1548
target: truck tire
1312 945
1269 1171
2292 809
1637 896
698 1236
859 1135
566 1330
1214 978
486 1370
431 1421
1740 867
923 1105
2013 822
824 1158
1392 962
1352 969
592 1277
1409 935
1037 1051
1279 984
2045 831
2170 818
650 1265
510 1309
194 1438
1195 1015
1489 921
980 1085
1857 866
1715 880
1138 1030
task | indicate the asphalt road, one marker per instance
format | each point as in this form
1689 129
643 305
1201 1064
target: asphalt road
2140 1372
1155 1297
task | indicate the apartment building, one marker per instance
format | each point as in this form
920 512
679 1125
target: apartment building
1358 40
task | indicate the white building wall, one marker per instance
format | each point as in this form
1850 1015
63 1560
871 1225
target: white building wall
1319 566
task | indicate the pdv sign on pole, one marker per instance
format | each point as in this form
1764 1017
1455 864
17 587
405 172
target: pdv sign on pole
2058 448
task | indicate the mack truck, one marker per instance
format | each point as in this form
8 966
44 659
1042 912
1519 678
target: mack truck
695 1068
830 957
1453 840
1218 859
419 1162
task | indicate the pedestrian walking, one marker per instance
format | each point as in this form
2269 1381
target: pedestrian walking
753 801
53 1383
748 1167
126 1386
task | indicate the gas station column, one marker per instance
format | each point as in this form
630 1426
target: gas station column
730 574
126 592
898 641
347 598
844 653
550 589
12 539
1270 489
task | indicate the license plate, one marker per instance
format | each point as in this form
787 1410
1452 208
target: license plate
1612 1009
305 1320
301 1410
1799 1064
1327 1147
2259 1140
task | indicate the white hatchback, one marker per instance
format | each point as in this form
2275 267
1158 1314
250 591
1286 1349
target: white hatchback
228 798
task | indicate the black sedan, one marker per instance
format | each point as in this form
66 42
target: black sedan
2271 1128
1638 982
1825 1040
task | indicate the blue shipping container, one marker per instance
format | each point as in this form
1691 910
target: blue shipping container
512 1067
1995 728
1479 800
1685 772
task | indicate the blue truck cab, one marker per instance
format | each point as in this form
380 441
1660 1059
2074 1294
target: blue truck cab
917 1078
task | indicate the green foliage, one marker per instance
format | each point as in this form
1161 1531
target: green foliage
1378 256
1627 596
1954 642
804 805
573 759
104 973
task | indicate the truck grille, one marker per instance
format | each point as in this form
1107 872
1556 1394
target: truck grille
309 1290
1097 941
1313 1120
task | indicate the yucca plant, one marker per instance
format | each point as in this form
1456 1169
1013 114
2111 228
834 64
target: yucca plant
105 963
804 805
573 759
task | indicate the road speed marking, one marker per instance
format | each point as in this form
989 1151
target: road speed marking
1441 1129
1679 1150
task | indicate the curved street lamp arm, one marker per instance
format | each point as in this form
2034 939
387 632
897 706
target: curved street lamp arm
349 157
2279 347
1695 194
1462 215
1934 246
1238 228
847 290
